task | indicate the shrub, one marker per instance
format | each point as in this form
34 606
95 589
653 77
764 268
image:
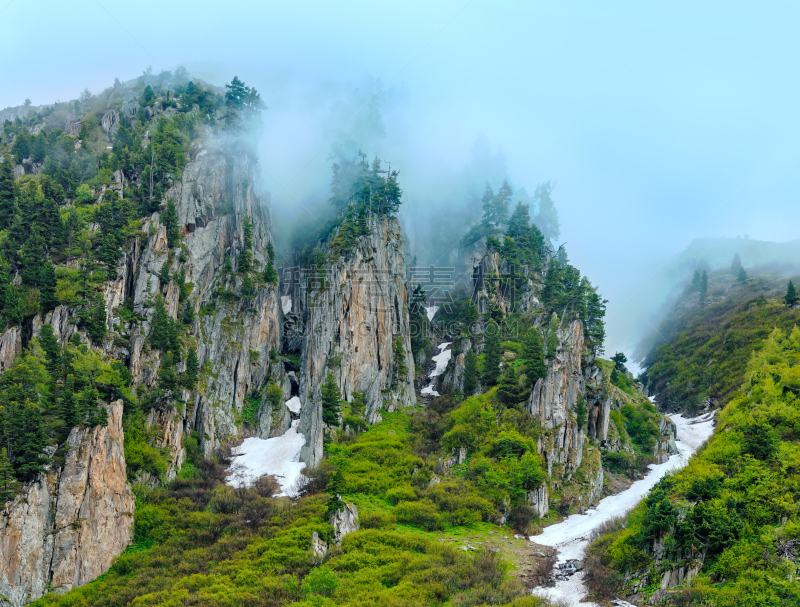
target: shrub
422 514
321 581
403 493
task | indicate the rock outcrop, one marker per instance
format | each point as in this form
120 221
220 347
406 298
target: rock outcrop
552 401
539 500
344 521
355 325
235 333
68 527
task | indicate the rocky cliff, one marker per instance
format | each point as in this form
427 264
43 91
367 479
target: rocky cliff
354 324
67 528
234 334
575 378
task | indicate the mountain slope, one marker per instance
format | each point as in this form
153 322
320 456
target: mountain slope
724 530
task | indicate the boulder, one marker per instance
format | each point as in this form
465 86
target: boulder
344 521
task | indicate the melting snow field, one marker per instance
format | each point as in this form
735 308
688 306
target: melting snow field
430 311
257 457
286 303
293 404
571 537
441 361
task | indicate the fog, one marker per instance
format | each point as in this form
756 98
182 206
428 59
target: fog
657 125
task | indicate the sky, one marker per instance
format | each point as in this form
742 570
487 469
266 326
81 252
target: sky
659 123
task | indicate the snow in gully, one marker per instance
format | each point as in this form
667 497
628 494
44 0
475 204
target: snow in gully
571 537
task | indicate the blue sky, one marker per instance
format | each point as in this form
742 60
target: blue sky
660 123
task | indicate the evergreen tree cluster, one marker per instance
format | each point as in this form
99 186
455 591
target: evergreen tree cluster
564 291
49 390
359 183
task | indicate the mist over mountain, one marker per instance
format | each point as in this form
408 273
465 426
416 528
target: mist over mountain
454 304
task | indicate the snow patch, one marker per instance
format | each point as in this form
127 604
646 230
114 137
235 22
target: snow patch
571 537
279 456
286 304
430 311
429 391
293 404
441 361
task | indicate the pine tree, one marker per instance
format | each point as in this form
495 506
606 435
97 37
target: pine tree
470 373
69 406
100 417
330 401
8 194
188 313
519 222
696 280
791 297
246 256
13 308
8 484
551 294
247 290
581 412
32 257
495 206
163 273
29 442
736 263
619 359
95 320
47 288
192 369
166 373
52 349
335 488
546 215
470 313
741 276
88 404
533 353
703 287
508 390
270 275
161 326
169 218
491 358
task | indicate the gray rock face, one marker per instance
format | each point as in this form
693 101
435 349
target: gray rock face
553 400
555 396
68 527
10 347
539 500
110 121
350 327
73 128
344 521
130 109
218 189
318 548
453 378
596 486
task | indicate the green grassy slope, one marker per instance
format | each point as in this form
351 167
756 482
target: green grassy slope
199 542
734 512
707 353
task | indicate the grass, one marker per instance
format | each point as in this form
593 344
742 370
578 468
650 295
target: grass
733 509
708 353
199 542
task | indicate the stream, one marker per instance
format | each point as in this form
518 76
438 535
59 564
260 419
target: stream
571 537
